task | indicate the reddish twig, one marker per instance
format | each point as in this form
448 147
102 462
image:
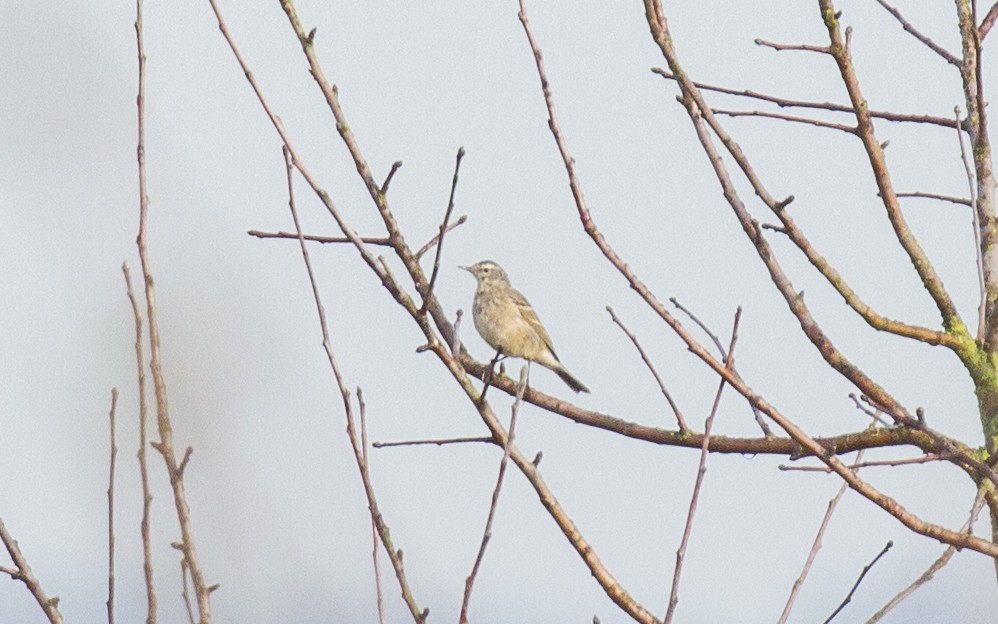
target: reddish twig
963 201
443 230
110 507
816 546
367 240
165 443
469 582
147 567
359 451
391 174
729 362
375 543
988 22
929 43
651 367
829 106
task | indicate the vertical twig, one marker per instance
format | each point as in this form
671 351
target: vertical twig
147 568
729 362
22 572
359 455
375 545
110 509
469 582
165 444
815 547
443 230
976 220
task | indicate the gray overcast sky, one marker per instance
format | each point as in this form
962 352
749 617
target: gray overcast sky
279 515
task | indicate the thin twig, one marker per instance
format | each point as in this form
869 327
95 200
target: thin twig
369 240
22 572
469 582
982 304
110 507
443 230
165 444
963 201
391 174
931 457
937 565
929 43
729 362
436 237
359 454
651 367
147 567
439 442
800 47
859 580
693 317
816 546
988 22
829 106
792 118
375 543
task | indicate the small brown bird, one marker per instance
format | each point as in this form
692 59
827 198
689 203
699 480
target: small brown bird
507 322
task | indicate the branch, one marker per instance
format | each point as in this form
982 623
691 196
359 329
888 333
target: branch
963 201
22 572
929 43
443 230
988 22
367 240
829 106
201 589
815 547
791 118
701 471
469 582
937 565
359 451
651 367
800 47
147 567
110 508
855 586
379 592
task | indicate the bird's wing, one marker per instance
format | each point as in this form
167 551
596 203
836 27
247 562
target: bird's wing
527 314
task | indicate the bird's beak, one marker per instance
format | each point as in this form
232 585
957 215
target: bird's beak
468 269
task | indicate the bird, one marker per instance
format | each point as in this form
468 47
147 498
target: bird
505 320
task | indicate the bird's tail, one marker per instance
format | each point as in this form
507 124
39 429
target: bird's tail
567 377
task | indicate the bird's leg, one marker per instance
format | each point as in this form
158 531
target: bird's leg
488 375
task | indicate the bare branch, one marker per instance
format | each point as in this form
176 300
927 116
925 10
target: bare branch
815 547
375 544
359 452
110 507
800 47
931 457
701 471
391 174
469 582
988 22
438 442
963 201
436 237
929 43
855 586
976 220
791 118
22 572
368 240
147 567
651 367
829 106
443 230
937 565
190 555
